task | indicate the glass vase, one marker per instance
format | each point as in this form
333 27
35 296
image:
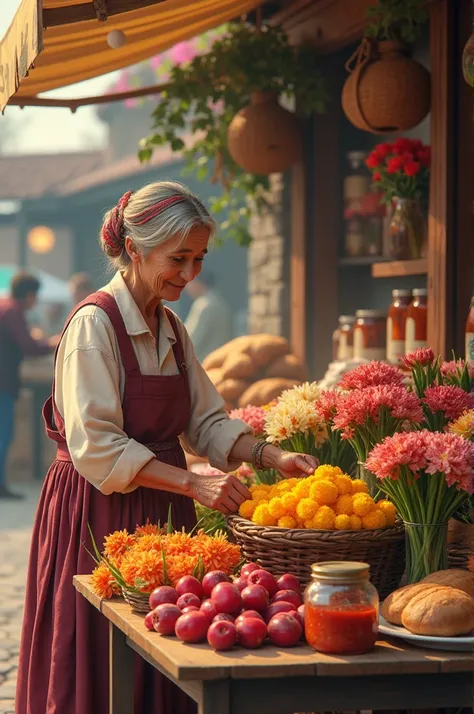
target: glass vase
407 231
426 549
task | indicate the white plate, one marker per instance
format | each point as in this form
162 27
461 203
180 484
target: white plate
457 644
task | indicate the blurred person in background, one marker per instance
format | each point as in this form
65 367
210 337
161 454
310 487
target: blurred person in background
80 287
16 342
209 321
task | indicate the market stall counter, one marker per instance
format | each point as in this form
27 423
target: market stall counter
281 681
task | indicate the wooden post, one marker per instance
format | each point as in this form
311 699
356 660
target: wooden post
298 262
120 673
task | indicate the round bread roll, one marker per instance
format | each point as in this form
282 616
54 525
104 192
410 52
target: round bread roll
215 375
238 365
232 389
439 612
217 358
265 390
287 366
394 605
455 578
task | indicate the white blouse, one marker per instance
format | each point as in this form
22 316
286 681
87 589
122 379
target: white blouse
90 381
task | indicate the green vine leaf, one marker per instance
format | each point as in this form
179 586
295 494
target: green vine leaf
401 20
204 96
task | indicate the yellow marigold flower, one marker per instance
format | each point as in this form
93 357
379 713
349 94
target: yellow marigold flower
324 518
306 509
356 523
344 505
359 486
102 582
309 524
284 487
324 492
259 495
247 509
327 471
262 516
290 502
302 489
300 523
389 510
362 504
344 484
287 522
342 523
374 519
117 543
277 509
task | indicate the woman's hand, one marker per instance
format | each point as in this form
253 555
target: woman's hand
223 493
292 465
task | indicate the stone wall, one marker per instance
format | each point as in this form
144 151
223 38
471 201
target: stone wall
268 264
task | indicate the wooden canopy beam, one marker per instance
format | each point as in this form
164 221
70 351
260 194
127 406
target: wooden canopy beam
69 14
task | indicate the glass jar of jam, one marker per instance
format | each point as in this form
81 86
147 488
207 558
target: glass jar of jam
370 335
396 324
355 187
416 329
345 345
470 335
341 611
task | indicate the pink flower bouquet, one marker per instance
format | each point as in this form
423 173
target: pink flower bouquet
427 475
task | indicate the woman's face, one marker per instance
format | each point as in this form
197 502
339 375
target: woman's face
170 267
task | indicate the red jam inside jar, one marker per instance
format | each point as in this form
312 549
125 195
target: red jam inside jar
341 630
341 609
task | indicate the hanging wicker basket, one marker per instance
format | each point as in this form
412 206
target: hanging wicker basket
283 550
263 138
386 91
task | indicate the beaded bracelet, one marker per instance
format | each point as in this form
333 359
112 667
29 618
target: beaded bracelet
257 451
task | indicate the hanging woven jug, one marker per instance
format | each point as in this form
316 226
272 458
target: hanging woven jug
263 138
386 91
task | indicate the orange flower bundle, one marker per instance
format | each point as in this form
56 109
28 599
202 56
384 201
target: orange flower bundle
153 556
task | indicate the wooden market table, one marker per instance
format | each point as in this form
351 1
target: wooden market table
282 681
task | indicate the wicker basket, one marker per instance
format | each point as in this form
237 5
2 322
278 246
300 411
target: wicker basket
386 91
281 550
139 602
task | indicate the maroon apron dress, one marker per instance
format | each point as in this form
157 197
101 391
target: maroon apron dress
63 666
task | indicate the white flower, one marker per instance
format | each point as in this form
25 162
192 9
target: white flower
309 391
294 416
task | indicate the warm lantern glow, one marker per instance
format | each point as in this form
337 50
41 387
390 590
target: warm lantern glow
41 239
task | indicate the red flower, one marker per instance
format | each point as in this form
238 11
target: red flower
394 164
384 149
376 176
424 156
373 160
326 405
412 168
419 358
402 144
451 401
371 375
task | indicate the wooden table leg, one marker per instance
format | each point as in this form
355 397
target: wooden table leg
120 673
215 697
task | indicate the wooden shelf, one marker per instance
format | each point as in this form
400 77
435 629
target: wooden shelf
360 261
399 268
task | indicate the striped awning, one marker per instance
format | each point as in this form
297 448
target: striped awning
54 43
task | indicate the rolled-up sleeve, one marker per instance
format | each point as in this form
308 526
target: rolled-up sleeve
88 398
210 432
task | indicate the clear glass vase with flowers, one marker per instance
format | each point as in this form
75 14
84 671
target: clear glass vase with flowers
400 170
428 476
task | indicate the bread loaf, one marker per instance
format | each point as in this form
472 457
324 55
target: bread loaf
217 358
232 389
238 365
265 391
215 375
440 611
455 578
287 366
265 348
393 606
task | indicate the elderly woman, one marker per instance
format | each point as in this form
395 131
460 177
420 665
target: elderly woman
127 386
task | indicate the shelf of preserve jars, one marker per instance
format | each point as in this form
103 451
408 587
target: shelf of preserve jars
385 206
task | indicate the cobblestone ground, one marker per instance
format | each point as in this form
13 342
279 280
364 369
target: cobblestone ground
16 520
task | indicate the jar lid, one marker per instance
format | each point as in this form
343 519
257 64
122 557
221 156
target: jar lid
401 293
340 570
356 156
346 319
378 314
420 292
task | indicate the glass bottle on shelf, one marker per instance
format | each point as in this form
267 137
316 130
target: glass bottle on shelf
396 325
417 321
370 335
356 186
407 230
470 334
343 339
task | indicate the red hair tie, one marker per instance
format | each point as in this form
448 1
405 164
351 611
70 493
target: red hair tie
112 231
155 210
